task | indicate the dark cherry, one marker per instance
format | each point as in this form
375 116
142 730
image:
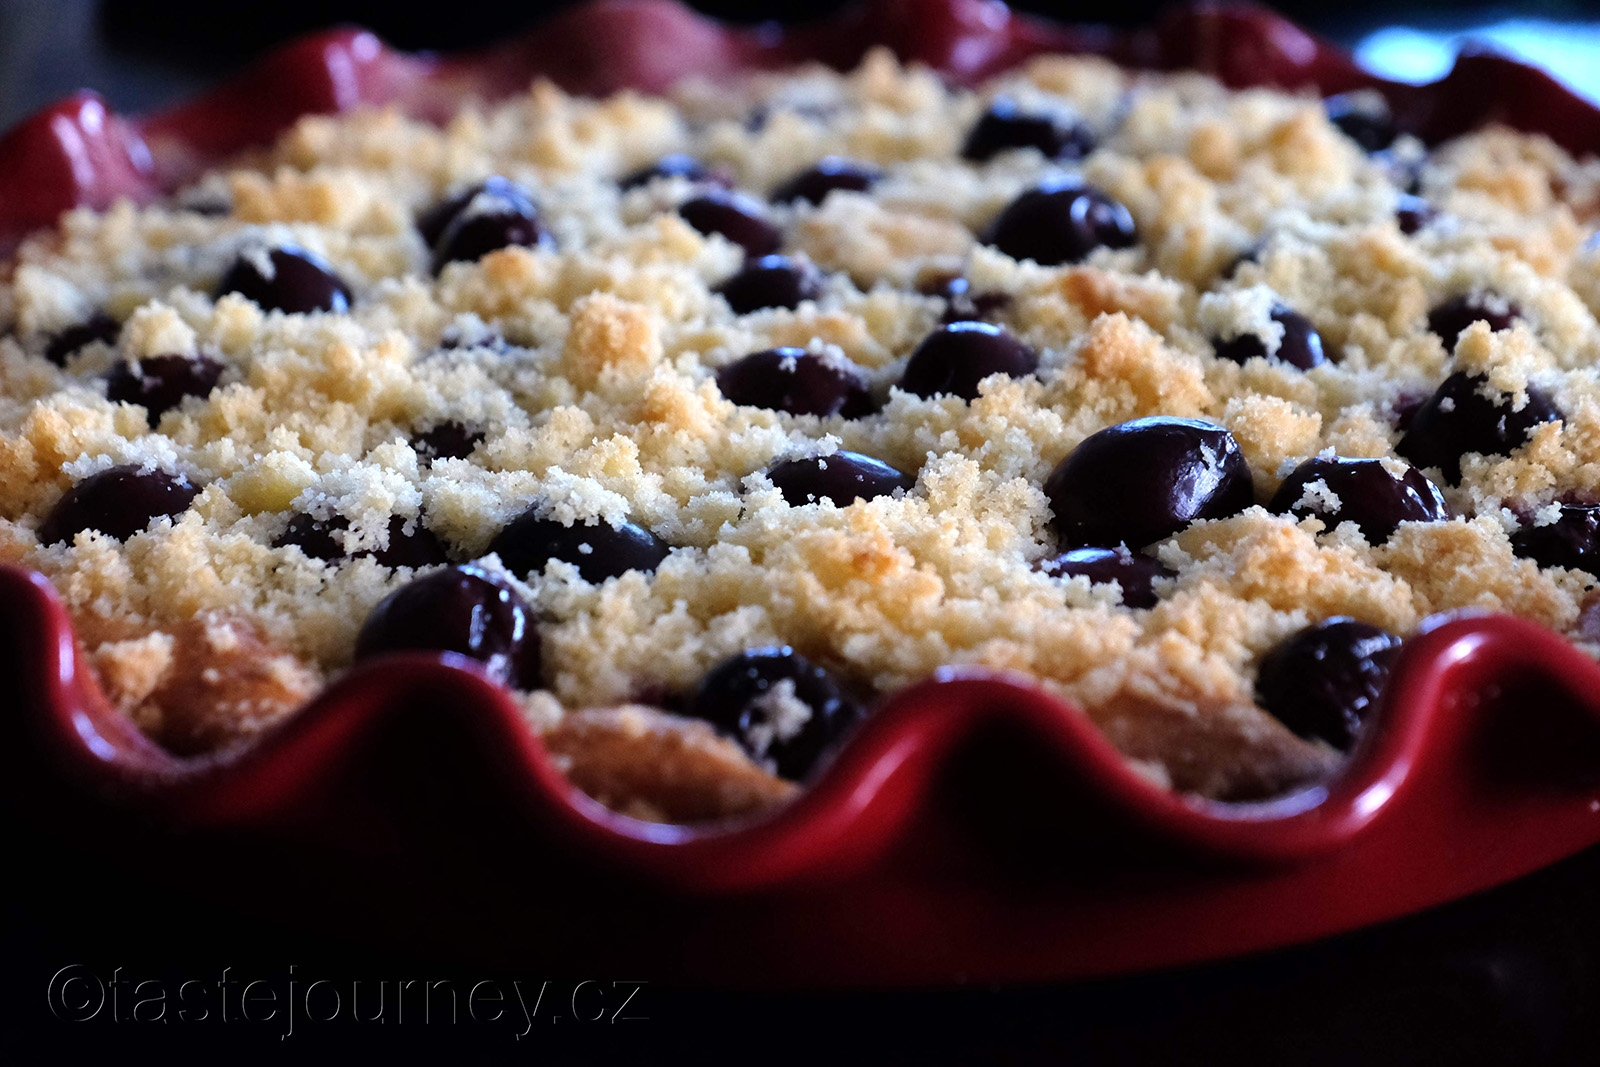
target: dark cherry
1451 318
829 173
432 223
1405 408
1369 496
731 699
761 114
739 218
490 216
1323 681
471 237
673 165
1138 482
1005 126
446 440
1412 213
1365 121
797 381
1573 540
160 383
843 478
955 358
961 304
1249 255
455 337
1135 573
1061 220
118 502
314 537
458 609
301 281
207 203
1404 174
97 327
771 282
419 548
1300 346
1458 419
599 551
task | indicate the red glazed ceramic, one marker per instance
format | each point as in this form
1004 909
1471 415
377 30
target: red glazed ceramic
975 828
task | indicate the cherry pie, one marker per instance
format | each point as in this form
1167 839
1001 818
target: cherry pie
701 420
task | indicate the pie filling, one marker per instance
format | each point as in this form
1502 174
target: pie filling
704 421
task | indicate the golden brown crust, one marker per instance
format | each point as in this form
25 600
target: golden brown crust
198 686
1228 751
660 767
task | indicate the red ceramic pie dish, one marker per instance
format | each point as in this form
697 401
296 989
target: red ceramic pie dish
912 860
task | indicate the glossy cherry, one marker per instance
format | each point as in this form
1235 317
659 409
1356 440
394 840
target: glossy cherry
598 550
1300 346
1005 125
771 282
1141 481
432 223
458 609
1061 220
1412 213
1573 540
746 698
673 165
419 548
815 112
446 440
828 174
1451 318
118 502
1323 681
1458 419
1252 254
1134 572
494 214
97 327
160 383
473 236
1367 494
842 478
480 335
954 358
1365 121
961 302
314 537
797 381
288 278
739 218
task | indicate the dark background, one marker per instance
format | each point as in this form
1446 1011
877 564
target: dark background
1512 976
141 53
